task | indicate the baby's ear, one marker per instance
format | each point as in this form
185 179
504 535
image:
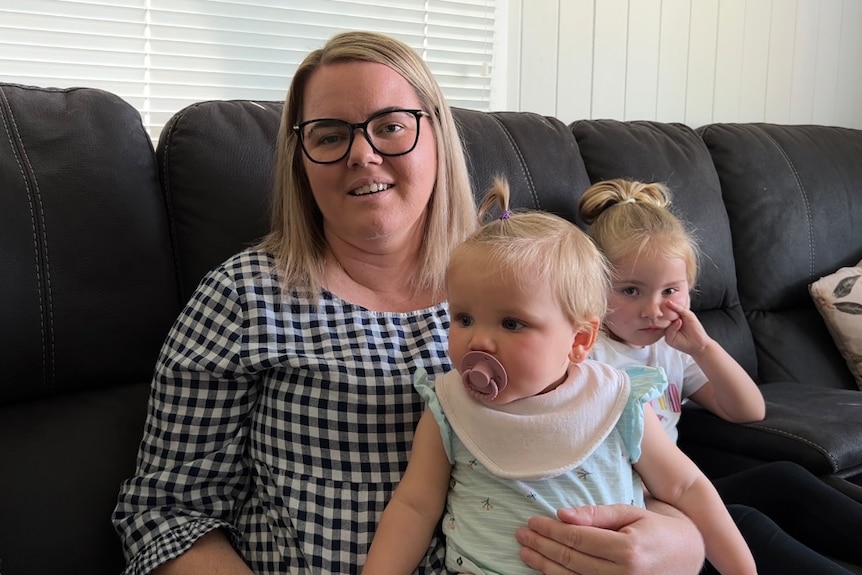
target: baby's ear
583 341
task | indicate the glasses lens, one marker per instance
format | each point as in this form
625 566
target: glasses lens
394 133
326 140
391 134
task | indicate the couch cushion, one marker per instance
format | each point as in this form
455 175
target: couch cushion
87 299
794 199
536 154
795 207
216 161
820 429
674 155
63 460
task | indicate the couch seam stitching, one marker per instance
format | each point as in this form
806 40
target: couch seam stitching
805 200
42 284
166 194
521 162
804 440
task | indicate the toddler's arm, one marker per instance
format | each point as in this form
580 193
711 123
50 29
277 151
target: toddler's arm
408 522
730 392
673 478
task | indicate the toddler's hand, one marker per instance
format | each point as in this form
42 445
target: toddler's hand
686 333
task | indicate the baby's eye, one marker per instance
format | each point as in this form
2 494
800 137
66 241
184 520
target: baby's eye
629 291
671 291
512 324
464 320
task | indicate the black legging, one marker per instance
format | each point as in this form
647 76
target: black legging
792 520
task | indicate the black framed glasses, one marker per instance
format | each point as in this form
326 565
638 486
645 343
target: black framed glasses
390 133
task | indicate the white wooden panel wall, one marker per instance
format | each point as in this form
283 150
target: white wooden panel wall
642 53
673 61
538 62
690 61
848 95
609 59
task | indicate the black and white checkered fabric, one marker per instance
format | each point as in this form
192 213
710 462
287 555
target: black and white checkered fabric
286 421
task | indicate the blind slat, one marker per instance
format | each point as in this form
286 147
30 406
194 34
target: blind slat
162 55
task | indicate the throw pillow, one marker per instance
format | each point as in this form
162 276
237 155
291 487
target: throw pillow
840 305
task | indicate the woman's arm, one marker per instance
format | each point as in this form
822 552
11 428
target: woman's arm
613 540
212 554
191 474
408 522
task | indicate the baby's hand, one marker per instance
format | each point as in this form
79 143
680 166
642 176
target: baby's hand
686 333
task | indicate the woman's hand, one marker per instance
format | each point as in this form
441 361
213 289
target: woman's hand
613 540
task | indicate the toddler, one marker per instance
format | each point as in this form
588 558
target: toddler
792 521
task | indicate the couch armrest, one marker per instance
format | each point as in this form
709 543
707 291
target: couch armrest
821 429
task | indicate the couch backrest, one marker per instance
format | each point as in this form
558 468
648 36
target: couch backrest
68 158
216 160
536 154
87 294
676 156
794 199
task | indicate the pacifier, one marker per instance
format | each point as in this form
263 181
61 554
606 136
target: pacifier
483 375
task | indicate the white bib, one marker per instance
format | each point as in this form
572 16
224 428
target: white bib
540 436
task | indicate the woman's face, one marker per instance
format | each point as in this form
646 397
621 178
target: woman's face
371 202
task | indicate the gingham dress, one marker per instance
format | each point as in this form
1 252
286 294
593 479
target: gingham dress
286 420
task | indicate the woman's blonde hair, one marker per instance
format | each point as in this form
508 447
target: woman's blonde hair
296 236
627 218
536 245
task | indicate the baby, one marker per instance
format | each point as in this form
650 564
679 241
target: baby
528 424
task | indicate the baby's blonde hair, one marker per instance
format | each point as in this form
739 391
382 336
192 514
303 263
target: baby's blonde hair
538 245
633 218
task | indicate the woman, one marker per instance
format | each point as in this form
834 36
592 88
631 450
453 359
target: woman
282 411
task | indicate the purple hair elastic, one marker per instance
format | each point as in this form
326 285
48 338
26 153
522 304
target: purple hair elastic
505 215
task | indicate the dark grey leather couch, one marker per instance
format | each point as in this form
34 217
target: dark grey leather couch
102 240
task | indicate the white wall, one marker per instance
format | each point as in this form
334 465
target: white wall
690 61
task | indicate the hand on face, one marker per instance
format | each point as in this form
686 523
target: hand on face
685 333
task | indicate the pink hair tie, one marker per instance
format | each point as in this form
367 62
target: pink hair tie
483 375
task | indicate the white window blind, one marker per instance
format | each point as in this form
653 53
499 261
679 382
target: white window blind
162 55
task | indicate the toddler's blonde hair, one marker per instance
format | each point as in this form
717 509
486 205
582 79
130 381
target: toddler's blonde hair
627 217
